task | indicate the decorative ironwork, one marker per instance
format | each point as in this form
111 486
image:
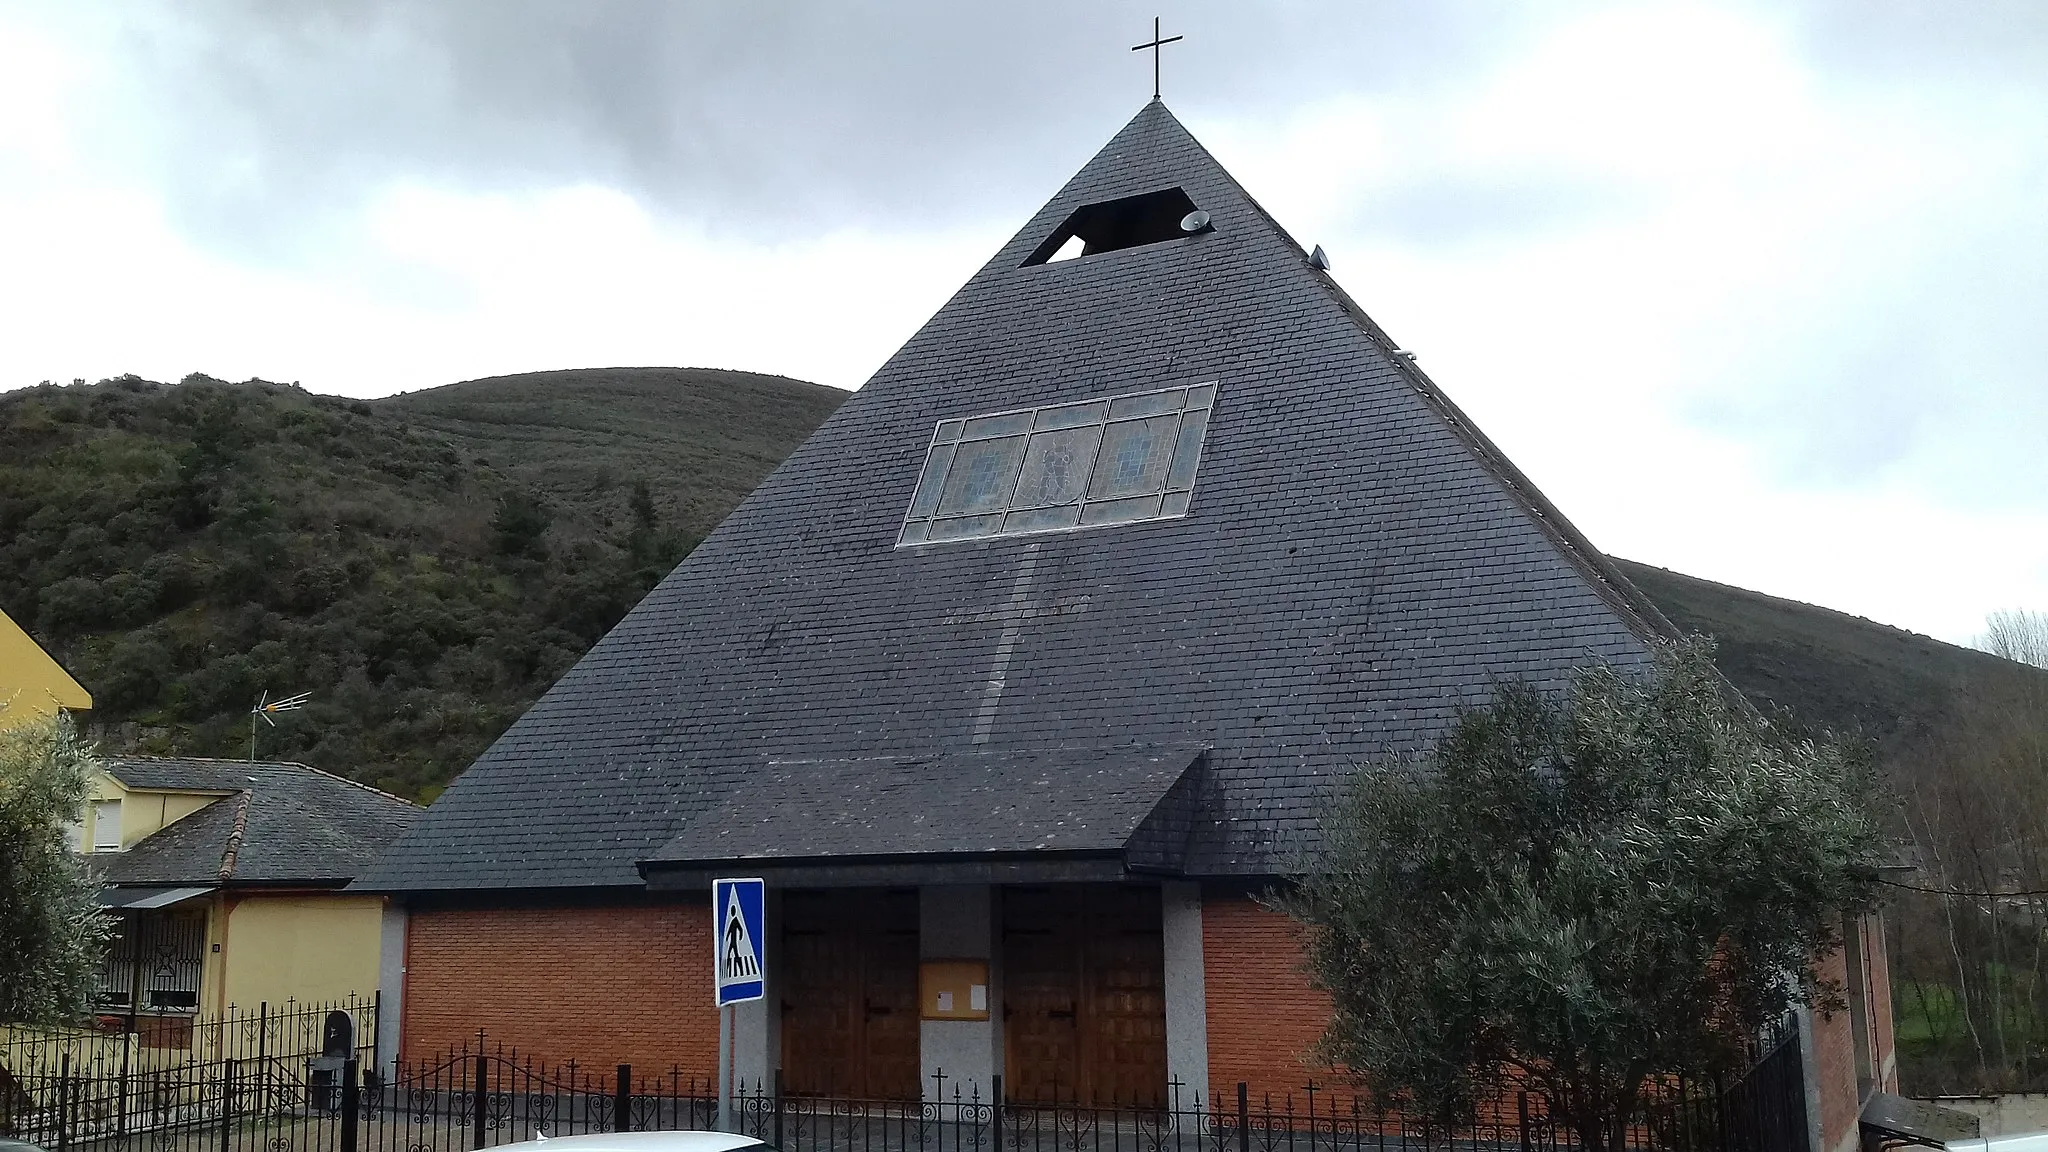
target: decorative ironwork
265 1098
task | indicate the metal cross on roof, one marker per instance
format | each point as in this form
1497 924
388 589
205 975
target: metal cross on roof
1155 45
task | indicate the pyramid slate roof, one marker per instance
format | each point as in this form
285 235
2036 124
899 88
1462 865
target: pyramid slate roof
1357 563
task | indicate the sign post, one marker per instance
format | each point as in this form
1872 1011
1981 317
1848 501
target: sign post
739 968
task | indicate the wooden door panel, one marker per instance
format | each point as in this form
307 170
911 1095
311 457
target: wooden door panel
820 994
893 1063
1041 994
1125 962
1084 981
849 999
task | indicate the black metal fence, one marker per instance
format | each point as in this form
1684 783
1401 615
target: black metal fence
156 1081
473 1097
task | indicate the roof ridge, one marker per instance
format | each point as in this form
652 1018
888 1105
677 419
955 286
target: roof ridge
356 784
235 834
226 762
1608 581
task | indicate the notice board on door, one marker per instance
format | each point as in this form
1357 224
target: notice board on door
952 990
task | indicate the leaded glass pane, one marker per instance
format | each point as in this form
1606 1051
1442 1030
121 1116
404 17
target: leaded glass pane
1145 404
1134 457
1004 425
1042 519
1070 415
966 526
1108 461
1118 511
981 477
1188 454
932 482
1056 466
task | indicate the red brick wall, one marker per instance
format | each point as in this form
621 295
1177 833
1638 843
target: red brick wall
1834 1051
1263 1015
1877 948
602 986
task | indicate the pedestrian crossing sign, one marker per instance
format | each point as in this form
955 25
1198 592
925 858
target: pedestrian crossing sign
739 958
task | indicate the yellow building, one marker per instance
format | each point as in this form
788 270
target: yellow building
226 877
32 685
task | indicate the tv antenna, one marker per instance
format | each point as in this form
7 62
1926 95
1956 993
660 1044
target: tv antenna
266 708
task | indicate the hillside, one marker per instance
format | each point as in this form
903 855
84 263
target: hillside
1856 677
701 438
425 565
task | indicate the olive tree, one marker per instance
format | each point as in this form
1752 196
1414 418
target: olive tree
1584 890
51 930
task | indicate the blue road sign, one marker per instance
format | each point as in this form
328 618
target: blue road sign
739 957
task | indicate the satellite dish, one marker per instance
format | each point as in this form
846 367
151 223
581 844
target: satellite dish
1320 258
1194 221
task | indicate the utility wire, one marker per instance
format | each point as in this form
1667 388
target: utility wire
1958 892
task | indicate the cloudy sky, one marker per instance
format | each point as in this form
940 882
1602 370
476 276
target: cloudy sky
1756 292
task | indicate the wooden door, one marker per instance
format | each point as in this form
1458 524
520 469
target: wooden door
1084 994
849 993
1125 973
1041 994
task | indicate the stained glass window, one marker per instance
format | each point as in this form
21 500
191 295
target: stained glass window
1109 461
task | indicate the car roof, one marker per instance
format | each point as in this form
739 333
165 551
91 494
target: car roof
638 1142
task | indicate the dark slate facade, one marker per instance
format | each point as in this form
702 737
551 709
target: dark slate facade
1356 563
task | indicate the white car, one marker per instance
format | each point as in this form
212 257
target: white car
2016 1142
641 1142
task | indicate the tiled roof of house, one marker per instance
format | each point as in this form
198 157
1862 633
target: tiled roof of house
1357 564
274 823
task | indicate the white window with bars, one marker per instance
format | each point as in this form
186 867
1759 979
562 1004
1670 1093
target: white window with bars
1115 460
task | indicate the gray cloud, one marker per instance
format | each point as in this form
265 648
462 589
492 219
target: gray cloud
1452 210
774 118
262 127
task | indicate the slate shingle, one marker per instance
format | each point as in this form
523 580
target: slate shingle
274 823
1037 801
1357 563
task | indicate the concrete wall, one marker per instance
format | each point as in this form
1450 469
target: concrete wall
311 948
757 1024
2003 1115
959 922
1187 998
391 982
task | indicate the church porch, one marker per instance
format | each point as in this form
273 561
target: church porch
1075 992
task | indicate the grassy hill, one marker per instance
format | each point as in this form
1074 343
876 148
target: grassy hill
700 438
425 565
1898 689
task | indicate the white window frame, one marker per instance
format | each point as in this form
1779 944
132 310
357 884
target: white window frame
101 841
1099 501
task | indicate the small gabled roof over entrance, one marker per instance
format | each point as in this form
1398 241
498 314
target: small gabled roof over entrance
1067 813
1175 492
